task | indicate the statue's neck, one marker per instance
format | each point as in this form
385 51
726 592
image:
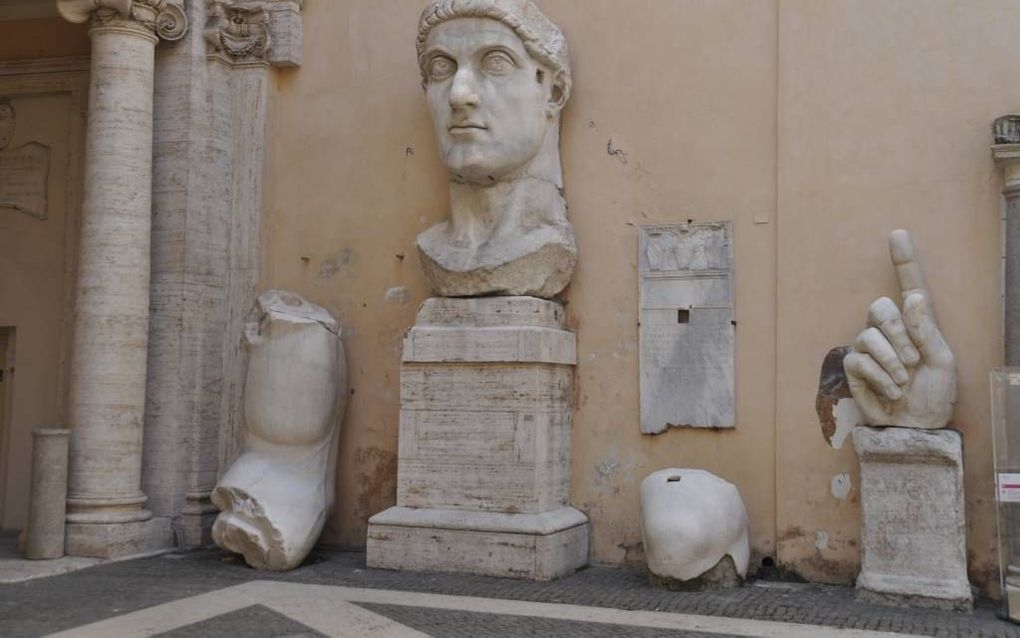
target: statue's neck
480 213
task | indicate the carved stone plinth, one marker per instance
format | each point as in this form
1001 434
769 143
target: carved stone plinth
484 468
913 537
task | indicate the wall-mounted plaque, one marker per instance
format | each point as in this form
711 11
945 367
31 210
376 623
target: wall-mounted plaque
687 329
24 172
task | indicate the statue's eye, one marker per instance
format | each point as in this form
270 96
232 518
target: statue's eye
440 68
497 62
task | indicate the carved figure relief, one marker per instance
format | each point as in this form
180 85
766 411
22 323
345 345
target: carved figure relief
496 75
238 30
24 171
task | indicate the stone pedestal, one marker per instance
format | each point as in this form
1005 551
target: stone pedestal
484 463
913 537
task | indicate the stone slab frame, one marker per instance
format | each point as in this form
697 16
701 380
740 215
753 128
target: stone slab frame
686 330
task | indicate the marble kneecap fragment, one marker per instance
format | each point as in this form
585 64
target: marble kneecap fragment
275 497
691 520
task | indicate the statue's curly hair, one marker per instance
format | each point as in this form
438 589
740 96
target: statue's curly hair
542 39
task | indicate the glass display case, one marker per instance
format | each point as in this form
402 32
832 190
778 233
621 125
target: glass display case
1006 444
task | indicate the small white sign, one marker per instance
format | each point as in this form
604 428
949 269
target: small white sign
1009 488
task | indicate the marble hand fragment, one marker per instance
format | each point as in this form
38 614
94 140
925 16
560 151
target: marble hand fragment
900 371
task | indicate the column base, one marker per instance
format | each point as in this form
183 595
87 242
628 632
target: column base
194 526
527 546
119 540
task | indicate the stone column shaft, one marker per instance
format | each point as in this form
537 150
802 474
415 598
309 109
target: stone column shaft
109 350
107 397
47 507
1012 272
1006 152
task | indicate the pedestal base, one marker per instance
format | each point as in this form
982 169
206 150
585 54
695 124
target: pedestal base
483 478
913 536
529 546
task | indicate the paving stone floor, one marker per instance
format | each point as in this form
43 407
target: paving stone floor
67 601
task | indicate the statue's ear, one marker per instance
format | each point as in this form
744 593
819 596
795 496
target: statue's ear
558 92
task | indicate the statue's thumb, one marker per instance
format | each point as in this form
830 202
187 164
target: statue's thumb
925 334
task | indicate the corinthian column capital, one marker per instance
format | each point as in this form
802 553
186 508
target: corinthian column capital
164 18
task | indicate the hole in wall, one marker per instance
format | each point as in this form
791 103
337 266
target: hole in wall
683 315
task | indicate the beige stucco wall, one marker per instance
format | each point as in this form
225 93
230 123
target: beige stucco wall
36 258
353 177
815 127
885 110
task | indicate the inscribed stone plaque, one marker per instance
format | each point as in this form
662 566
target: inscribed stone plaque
687 331
23 175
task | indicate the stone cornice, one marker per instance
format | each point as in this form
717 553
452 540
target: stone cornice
165 19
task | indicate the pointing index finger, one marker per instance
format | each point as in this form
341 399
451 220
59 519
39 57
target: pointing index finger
901 250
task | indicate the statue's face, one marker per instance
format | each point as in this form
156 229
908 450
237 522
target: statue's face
6 125
490 100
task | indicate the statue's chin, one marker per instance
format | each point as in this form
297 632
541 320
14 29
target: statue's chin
479 174
484 169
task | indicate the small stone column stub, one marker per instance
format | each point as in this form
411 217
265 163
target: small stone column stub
44 537
1006 152
109 352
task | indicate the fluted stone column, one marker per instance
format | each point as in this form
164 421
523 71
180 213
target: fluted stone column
106 517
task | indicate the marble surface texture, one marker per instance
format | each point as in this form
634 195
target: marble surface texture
690 521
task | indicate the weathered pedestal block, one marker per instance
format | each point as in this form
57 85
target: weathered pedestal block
913 537
483 480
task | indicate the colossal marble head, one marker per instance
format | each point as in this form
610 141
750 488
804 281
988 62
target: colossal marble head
496 75
6 124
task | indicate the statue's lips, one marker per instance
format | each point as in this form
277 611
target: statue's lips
466 129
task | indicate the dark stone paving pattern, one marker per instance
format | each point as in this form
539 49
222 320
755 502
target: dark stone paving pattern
256 621
465 624
60 602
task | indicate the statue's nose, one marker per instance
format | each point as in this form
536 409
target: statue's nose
464 91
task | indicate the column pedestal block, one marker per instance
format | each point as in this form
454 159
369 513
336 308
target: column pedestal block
119 540
913 536
483 480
